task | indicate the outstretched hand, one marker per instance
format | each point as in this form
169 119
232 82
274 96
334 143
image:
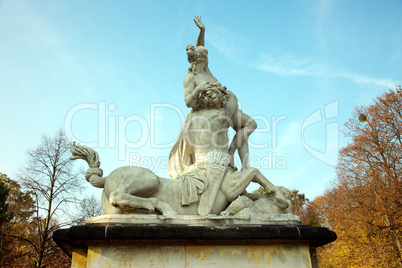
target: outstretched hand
197 20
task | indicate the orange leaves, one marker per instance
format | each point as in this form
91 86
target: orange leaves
365 205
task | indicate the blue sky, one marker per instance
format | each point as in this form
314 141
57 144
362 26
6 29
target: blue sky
111 73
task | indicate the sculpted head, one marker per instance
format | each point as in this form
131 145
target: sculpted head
197 54
190 53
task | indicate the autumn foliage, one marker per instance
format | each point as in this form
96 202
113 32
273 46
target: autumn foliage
19 231
37 205
364 206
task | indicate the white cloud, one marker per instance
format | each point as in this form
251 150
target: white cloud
287 65
234 47
290 65
366 79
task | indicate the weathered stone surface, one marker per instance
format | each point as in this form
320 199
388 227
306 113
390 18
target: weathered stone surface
176 245
278 256
136 256
201 162
79 258
140 219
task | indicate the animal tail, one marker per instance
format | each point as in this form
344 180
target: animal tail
94 173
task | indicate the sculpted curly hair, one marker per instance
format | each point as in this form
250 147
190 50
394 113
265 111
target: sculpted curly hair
196 55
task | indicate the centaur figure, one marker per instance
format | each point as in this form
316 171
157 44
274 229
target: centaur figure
205 180
139 190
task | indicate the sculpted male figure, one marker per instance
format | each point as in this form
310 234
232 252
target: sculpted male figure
204 181
203 91
214 110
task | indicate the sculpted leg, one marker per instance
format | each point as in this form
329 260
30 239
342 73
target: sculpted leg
244 155
107 207
279 200
244 125
235 183
121 199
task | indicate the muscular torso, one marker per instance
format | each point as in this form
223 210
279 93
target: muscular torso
208 130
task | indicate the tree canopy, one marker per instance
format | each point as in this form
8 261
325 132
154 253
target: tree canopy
53 182
35 206
364 206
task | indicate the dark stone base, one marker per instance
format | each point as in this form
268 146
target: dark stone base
84 235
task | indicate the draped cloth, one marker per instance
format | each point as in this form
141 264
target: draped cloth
182 155
193 185
182 166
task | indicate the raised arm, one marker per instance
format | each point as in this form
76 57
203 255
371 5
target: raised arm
191 92
201 35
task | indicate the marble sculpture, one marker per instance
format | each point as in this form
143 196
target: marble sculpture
204 178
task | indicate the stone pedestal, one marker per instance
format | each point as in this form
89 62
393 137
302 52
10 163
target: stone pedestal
215 243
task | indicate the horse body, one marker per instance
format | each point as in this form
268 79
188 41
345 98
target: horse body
139 190
136 189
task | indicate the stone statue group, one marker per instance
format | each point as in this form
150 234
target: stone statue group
205 179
